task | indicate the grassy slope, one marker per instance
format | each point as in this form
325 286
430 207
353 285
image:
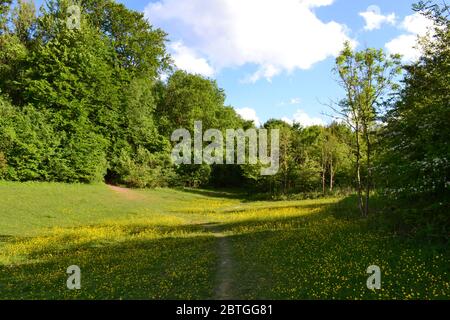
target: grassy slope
155 245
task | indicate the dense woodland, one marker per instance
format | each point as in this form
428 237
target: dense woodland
100 103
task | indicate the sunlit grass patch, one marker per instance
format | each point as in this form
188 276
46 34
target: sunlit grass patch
145 259
164 244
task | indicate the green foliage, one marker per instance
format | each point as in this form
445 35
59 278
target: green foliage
188 98
88 105
416 158
145 169
92 86
193 176
24 19
139 48
311 159
414 164
81 157
5 7
27 142
368 77
97 87
13 54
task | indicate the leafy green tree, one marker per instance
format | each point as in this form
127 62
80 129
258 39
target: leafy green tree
417 135
340 164
414 162
16 28
5 7
281 181
310 158
139 47
71 79
27 143
13 55
367 77
189 98
24 19
146 169
194 176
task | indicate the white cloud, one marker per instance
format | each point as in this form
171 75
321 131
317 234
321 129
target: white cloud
287 120
292 102
295 101
316 3
275 36
302 118
249 114
375 19
265 71
187 60
405 45
416 25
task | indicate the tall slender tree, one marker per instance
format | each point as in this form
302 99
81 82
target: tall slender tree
367 77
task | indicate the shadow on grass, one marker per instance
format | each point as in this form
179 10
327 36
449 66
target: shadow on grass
6 238
348 209
226 194
413 220
180 264
322 255
325 255
244 208
168 268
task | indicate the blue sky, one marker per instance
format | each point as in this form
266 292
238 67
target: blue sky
274 57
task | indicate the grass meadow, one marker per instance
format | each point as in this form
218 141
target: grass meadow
186 244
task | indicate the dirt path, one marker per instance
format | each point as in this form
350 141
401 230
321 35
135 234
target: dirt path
127 193
223 289
223 282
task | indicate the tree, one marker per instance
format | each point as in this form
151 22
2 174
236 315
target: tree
333 153
366 76
340 140
16 28
92 85
416 160
27 143
414 163
281 182
189 98
5 7
138 46
24 19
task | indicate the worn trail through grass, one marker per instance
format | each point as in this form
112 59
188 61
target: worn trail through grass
224 274
195 244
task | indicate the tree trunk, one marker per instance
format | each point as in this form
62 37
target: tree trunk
358 172
331 175
323 181
369 175
285 164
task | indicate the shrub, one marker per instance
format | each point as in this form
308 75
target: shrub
27 141
194 176
145 170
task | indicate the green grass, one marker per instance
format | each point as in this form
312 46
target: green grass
164 244
316 255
